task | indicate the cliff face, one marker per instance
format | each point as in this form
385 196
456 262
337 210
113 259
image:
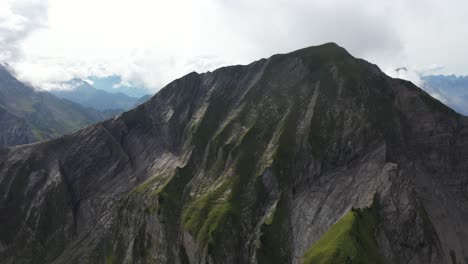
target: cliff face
263 163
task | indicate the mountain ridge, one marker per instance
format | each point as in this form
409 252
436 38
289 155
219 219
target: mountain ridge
270 155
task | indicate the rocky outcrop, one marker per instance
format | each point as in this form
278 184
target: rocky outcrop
246 164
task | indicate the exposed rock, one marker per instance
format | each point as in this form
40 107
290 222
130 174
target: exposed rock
246 164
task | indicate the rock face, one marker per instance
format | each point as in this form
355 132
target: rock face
246 164
28 115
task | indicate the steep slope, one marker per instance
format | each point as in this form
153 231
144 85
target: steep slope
15 130
351 239
86 95
249 164
28 115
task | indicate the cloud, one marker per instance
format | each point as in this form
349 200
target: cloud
416 75
160 41
431 69
18 19
151 42
282 26
405 73
88 81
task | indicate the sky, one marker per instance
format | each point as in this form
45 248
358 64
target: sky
148 43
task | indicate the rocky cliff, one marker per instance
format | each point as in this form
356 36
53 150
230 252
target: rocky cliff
308 157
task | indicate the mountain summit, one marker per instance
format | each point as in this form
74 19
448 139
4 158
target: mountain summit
308 157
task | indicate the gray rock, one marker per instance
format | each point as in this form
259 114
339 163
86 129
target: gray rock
246 164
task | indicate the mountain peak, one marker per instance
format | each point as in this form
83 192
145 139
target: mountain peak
249 164
329 50
329 46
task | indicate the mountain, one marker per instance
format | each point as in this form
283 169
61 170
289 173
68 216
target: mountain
28 115
114 83
143 99
308 157
450 89
83 93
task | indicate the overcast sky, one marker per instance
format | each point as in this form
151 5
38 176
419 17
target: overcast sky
151 42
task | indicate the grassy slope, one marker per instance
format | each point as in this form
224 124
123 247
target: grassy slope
350 240
217 212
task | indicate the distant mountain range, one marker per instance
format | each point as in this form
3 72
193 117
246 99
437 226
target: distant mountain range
450 89
29 114
115 84
80 91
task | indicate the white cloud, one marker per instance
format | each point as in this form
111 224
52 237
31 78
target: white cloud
431 69
405 73
151 42
90 82
18 19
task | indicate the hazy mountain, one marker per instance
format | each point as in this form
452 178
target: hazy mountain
450 89
114 84
82 92
143 99
308 157
28 115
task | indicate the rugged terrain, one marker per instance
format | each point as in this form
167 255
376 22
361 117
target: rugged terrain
308 157
28 114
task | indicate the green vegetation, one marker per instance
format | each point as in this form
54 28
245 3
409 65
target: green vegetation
205 130
285 153
217 210
274 241
203 216
153 184
274 245
134 214
161 195
206 216
350 240
171 195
